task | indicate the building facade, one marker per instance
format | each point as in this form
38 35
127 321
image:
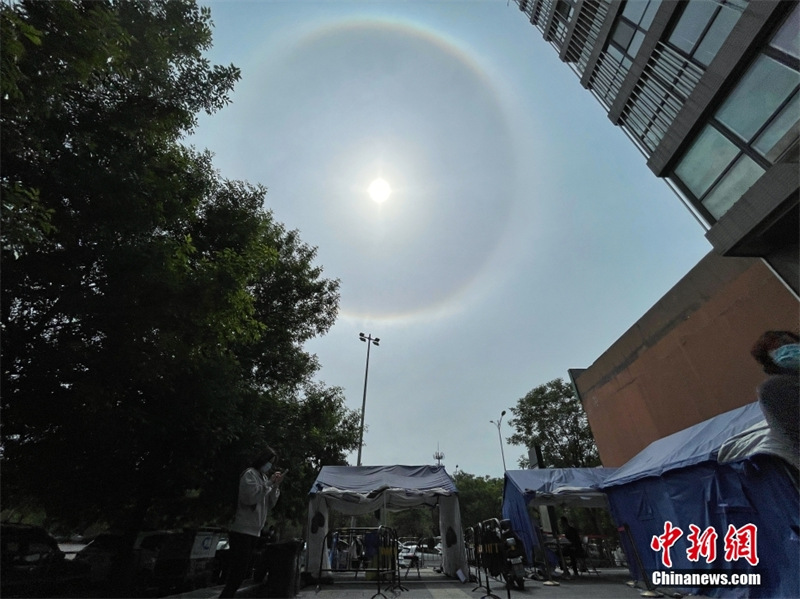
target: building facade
708 92
687 359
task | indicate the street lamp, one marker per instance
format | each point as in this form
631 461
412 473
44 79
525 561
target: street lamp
369 341
499 436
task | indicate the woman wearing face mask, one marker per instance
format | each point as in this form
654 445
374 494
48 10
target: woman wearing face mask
778 352
258 493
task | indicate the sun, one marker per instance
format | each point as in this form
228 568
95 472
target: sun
379 190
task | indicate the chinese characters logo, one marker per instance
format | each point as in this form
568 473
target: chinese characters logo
739 543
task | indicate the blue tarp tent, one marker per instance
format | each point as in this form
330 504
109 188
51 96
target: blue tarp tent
356 490
549 486
752 496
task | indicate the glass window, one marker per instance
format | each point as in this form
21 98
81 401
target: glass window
732 186
788 37
623 33
634 9
717 34
781 133
649 14
564 9
754 127
37 551
740 5
692 23
615 53
710 154
636 43
764 87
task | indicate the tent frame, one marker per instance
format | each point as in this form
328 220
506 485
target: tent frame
357 490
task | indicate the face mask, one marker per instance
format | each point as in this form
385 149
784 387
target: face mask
787 356
266 467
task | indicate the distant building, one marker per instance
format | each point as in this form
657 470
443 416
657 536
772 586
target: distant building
687 359
708 92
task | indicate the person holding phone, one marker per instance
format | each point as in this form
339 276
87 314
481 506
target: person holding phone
258 493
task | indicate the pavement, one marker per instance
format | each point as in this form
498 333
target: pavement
607 583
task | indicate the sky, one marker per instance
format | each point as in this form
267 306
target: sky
523 235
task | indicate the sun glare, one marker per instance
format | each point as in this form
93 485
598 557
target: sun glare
379 190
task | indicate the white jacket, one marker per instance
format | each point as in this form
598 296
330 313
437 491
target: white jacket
257 495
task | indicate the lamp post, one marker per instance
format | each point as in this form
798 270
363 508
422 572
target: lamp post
499 436
368 339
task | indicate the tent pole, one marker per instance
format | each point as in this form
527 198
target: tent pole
549 582
556 533
651 591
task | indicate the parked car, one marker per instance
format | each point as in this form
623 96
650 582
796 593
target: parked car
34 566
413 555
407 556
161 561
187 560
104 556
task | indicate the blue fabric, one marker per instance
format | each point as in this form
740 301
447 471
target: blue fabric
678 479
759 490
698 443
515 508
543 486
580 482
371 479
371 544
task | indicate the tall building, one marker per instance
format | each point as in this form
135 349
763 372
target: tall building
708 92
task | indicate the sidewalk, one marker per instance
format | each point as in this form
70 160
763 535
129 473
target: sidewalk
608 584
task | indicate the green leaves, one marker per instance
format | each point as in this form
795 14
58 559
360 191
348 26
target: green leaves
154 313
32 221
552 417
479 497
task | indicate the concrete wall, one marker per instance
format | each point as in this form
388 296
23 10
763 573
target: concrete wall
687 359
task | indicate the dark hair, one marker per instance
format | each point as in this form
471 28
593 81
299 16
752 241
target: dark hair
268 455
770 341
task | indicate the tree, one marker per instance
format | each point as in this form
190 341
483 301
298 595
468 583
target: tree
415 523
153 313
479 497
552 417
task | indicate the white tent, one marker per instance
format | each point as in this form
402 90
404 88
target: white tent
356 490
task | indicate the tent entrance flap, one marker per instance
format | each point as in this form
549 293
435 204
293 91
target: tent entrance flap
357 490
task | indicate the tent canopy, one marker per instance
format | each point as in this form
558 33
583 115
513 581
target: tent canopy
698 443
684 480
577 487
356 490
401 484
560 486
